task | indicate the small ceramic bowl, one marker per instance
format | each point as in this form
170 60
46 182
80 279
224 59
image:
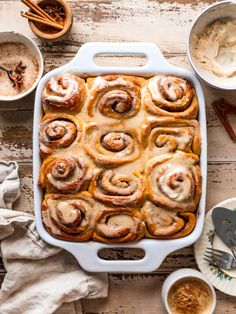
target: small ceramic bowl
217 11
182 274
49 33
14 37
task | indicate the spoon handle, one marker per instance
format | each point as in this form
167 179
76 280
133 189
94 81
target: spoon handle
2 68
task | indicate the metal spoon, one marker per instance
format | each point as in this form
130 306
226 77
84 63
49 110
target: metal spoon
9 72
15 75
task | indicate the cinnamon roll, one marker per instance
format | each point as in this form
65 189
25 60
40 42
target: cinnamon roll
118 225
63 175
167 224
174 181
58 131
170 96
168 135
112 187
111 145
64 93
69 217
114 96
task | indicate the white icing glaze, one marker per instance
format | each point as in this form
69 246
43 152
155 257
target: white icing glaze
215 49
123 220
155 212
48 222
101 82
174 178
68 212
59 92
118 224
153 87
182 136
183 190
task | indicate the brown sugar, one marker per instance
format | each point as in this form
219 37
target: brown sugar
190 296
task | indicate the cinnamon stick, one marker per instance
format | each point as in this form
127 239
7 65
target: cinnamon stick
32 8
223 108
36 8
42 21
35 15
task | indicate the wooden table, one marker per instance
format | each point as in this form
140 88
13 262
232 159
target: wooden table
165 23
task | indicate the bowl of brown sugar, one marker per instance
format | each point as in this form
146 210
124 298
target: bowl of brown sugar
21 66
186 291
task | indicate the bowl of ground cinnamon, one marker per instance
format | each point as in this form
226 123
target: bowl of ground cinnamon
21 66
186 291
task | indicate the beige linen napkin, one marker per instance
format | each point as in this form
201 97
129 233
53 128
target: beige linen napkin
40 279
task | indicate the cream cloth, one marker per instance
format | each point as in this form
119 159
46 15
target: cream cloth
40 279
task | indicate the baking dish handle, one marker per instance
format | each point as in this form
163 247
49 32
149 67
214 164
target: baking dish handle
87 256
84 61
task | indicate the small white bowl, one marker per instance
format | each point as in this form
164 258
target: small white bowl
182 274
217 11
12 36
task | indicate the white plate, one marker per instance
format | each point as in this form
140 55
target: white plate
155 250
221 279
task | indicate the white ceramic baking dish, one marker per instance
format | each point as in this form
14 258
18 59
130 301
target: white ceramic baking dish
155 250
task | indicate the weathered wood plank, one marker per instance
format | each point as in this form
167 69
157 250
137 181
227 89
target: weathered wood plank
110 20
130 294
16 135
125 291
25 202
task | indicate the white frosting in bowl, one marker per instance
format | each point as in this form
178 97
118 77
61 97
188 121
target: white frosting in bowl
215 49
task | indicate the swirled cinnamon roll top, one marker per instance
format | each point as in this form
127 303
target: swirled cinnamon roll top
170 96
64 93
118 225
111 145
168 135
166 224
174 181
64 174
113 187
114 96
69 217
58 131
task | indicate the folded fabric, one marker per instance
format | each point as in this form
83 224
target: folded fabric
9 184
40 278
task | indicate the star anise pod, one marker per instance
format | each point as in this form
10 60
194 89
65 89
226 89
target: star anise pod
19 68
55 11
16 75
17 80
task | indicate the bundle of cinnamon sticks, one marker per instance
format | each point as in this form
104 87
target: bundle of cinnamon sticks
39 15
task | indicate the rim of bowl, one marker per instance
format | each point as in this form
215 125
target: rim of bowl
203 12
184 273
40 72
59 34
